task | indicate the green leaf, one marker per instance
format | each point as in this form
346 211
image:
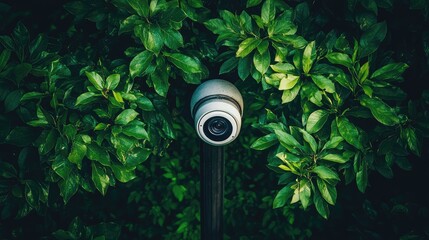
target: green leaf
135 129
86 98
288 82
283 196
362 180
304 193
122 173
321 206
390 72
7 170
100 178
333 142
286 68
310 140
137 156
4 58
372 38
228 65
160 81
77 153
349 132
363 72
247 46
410 137
325 173
179 192
22 136
244 66
112 81
144 104
287 140
264 142
49 144
126 116
323 83
308 57
21 71
334 158
262 61
152 38
96 80
69 186
316 120
12 100
252 3
32 95
290 95
173 39
328 192
140 63
340 58
32 192
140 6
380 110
185 63
99 154
268 12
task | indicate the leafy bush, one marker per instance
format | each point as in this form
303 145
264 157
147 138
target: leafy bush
96 139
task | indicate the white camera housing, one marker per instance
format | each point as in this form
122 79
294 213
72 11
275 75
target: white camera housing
217 108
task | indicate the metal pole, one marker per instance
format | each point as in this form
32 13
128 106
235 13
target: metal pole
212 166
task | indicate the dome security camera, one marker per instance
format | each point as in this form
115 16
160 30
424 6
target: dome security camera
217 108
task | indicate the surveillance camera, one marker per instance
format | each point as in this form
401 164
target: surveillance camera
217 108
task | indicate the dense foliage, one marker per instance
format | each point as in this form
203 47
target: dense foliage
97 142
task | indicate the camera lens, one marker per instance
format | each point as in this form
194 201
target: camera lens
217 128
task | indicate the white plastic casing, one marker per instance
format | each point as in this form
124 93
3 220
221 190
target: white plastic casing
217 98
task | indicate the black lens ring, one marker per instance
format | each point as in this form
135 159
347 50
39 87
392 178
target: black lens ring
217 134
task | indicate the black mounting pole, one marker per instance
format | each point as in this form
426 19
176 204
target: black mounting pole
212 166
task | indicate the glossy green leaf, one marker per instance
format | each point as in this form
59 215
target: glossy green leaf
247 46
362 180
77 153
324 83
152 38
265 142
283 196
268 12
287 140
99 178
321 205
325 173
96 80
340 58
310 140
228 65
172 39
304 193
135 129
126 116
185 63
334 158
145 104
69 186
122 173
160 81
140 6
390 72
290 95
316 120
252 3
112 81
140 63
380 110
99 154
137 156
309 56
328 192
349 132
371 39
262 61
86 98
